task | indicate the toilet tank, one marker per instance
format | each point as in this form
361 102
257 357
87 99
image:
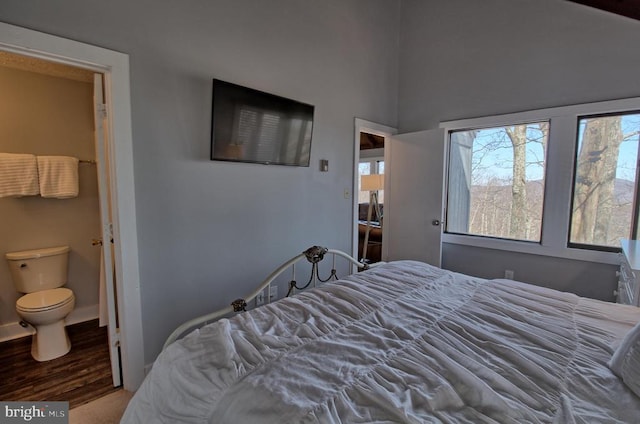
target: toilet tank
39 269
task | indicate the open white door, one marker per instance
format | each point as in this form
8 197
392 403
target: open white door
414 175
101 134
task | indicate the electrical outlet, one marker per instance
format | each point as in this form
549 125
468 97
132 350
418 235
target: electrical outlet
273 293
508 273
260 298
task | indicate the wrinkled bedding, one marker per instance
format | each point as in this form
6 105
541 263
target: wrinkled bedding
401 343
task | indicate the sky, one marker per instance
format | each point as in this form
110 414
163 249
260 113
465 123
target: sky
497 162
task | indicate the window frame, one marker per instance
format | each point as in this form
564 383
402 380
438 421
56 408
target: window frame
374 164
446 185
560 168
373 157
636 199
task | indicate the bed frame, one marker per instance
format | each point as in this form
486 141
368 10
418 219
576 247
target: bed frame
314 255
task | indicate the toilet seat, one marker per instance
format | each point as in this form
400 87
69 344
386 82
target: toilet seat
45 300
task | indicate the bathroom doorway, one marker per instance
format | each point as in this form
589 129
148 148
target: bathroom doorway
115 68
50 109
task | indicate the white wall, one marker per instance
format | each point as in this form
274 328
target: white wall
471 58
208 231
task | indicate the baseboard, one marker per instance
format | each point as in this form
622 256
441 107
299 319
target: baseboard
86 313
14 330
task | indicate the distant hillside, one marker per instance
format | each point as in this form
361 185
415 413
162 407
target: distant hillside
623 189
491 208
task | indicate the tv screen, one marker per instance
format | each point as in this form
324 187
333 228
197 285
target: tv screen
252 126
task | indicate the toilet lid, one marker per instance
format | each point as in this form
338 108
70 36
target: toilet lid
45 299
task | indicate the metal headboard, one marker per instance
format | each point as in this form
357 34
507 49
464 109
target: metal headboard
313 255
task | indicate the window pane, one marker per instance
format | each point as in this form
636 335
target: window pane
364 168
496 181
605 180
368 168
381 171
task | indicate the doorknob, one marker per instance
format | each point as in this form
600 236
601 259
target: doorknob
436 222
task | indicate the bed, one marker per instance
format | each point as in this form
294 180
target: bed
402 342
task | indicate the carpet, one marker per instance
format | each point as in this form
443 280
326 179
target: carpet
106 410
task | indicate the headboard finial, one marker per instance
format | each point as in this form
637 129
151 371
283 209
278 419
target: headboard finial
239 305
315 254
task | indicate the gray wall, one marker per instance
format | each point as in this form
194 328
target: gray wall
208 231
582 278
471 58
46 115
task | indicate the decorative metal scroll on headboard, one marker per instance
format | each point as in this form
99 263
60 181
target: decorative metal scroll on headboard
314 255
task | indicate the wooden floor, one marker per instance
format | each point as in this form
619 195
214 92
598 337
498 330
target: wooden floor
82 375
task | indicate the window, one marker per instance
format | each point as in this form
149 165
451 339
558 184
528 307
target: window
368 167
605 186
496 180
364 168
581 181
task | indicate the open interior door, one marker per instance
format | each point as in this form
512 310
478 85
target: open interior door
107 284
413 207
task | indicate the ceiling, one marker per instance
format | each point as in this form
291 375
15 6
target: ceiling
628 8
31 64
371 141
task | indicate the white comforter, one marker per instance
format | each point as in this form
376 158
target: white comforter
404 343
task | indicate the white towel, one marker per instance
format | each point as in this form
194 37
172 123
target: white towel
18 175
58 176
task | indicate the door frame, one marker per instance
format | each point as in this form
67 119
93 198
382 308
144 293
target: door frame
115 68
362 125
102 143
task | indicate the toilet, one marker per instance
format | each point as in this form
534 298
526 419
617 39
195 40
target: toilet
40 275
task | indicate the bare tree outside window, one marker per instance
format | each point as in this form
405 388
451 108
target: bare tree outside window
496 181
605 180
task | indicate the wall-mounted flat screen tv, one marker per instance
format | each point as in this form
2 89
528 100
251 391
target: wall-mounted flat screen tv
252 126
